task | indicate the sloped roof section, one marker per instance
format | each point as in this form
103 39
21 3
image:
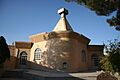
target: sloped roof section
95 47
63 24
23 45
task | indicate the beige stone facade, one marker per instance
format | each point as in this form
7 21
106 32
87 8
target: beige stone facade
61 50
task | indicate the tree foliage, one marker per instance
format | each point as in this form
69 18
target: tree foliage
103 8
4 50
111 62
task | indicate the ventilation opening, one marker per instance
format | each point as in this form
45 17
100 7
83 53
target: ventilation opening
65 65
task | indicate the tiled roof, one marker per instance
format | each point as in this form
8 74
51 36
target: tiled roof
96 47
24 45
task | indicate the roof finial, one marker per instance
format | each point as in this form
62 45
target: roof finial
63 12
63 24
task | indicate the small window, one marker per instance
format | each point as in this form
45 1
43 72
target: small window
83 56
37 54
65 65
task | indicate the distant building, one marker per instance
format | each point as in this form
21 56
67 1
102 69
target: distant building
61 50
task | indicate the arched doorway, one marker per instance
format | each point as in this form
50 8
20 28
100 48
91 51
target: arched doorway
23 59
95 60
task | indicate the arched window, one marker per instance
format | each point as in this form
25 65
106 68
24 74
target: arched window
83 56
95 59
65 65
23 58
37 54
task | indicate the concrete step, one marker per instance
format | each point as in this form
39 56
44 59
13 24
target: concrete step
63 78
12 74
11 79
33 77
43 75
37 75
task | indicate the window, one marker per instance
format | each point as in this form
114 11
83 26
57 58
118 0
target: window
83 56
65 65
23 58
95 59
37 54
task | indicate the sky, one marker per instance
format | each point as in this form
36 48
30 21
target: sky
20 19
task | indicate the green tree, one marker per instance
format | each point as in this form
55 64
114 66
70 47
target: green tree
4 50
111 61
103 8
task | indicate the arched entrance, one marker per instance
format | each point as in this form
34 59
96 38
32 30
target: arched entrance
23 59
95 61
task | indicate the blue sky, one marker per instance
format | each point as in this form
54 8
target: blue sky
21 18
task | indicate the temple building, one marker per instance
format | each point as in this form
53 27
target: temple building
61 50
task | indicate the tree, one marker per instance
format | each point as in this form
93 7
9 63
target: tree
103 8
4 50
111 61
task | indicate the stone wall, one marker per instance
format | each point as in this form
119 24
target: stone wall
106 76
57 51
